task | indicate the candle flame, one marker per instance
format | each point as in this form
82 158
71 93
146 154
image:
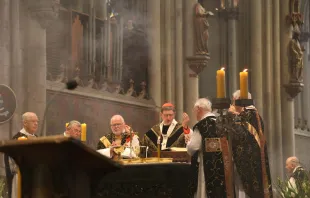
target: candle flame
245 70
223 68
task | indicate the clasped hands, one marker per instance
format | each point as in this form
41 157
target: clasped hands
185 121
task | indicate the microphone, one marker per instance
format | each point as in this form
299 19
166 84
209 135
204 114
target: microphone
70 85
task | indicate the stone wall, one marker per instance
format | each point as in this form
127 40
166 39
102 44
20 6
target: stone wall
95 109
302 148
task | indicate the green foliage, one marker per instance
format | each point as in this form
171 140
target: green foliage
287 190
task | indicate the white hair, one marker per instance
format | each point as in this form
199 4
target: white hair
204 103
73 122
294 160
27 115
236 95
116 117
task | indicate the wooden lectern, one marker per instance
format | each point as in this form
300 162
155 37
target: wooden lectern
57 166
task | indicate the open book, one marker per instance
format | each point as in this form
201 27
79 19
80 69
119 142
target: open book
178 149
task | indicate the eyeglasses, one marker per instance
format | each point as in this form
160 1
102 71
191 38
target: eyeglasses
116 125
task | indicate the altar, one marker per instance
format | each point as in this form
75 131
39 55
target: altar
54 167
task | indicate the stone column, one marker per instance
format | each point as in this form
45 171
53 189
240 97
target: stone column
256 54
179 59
190 81
154 43
79 5
121 42
5 63
277 140
287 105
39 18
17 69
232 16
305 93
168 48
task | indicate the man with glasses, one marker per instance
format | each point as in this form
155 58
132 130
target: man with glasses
117 143
30 126
169 133
73 129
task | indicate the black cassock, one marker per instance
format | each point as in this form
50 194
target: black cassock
250 154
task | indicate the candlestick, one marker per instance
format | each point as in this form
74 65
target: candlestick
83 135
220 83
244 84
158 147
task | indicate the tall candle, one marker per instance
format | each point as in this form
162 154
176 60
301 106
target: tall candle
158 147
220 83
83 129
67 124
244 84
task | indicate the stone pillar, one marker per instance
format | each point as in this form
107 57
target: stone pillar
179 59
154 42
39 17
232 16
190 81
287 105
79 5
305 93
276 144
5 37
256 54
17 69
268 92
168 48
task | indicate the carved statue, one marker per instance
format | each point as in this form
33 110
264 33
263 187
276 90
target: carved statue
142 94
131 91
296 56
201 29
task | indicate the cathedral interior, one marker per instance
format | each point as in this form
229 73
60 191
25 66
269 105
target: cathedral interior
131 56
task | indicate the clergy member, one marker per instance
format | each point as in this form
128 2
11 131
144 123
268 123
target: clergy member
208 151
30 126
250 151
118 141
73 129
169 133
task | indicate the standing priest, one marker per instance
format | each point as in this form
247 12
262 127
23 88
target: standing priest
210 171
169 133
250 151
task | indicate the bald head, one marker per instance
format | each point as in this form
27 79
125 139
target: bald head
117 124
30 122
291 164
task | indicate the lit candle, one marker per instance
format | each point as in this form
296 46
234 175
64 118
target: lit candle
220 82
67 124
83 135
244 84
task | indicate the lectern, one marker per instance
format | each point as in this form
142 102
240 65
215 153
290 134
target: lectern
57 166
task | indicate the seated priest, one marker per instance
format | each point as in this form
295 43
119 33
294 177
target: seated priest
73 129
249 150
30 126
117 143
169 133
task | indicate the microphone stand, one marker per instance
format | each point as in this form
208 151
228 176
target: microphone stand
68 86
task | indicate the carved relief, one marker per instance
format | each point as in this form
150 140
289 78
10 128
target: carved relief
296 56
44 11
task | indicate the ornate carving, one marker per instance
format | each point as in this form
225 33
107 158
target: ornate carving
293 88
201 29
142 93
44 11
197 64
131 91
295 51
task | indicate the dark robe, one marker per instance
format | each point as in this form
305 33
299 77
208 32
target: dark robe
176 138
250 154
216 168
301 176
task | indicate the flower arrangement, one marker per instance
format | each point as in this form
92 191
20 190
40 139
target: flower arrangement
287 190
